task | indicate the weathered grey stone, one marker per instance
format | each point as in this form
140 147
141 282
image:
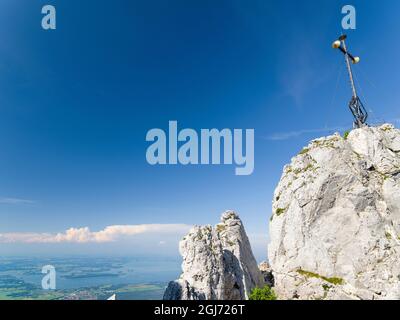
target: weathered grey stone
218 263
266 271
335 230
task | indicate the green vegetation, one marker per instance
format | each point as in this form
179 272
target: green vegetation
130 291
265 293
326 287
220 227
304 151
280 211
326 143
387 128
383 176
333 280
346 135
388 236
298 171
308 167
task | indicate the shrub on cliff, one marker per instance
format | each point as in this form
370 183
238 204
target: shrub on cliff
265 293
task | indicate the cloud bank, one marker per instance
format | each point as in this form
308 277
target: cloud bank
15 201
278 136
294 134
85 235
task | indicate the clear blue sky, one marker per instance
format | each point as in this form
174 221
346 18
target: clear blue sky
76 104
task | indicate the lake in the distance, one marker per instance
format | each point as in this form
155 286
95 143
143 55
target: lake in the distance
77 272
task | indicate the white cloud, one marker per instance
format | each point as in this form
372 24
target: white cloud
297 133
84 235
293 134
15 201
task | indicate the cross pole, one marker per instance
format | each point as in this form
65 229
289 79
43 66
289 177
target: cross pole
356 107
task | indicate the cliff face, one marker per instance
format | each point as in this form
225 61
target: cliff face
335 229
218 263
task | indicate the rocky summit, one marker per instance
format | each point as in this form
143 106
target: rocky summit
335 228
218 263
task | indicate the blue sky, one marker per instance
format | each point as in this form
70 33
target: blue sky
76 104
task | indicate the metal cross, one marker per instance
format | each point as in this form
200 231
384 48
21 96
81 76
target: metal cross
356 107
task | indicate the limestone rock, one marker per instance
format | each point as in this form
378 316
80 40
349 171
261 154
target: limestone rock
266 271
335 229
218 263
